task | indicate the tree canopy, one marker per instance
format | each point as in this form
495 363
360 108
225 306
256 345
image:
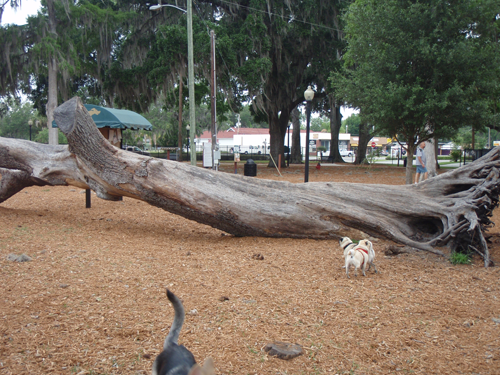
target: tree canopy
421 69
267 53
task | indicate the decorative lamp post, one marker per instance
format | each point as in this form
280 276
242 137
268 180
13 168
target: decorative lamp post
308 95
192 118
30 123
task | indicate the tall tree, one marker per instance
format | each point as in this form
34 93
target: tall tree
351 124
267 53
66 46
422 69
274 50
14 124
335 124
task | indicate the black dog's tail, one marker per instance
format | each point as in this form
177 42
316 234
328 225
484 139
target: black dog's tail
175 330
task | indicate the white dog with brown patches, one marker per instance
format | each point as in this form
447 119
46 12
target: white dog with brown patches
371 253
359 257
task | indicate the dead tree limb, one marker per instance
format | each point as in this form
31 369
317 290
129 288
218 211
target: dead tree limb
452 208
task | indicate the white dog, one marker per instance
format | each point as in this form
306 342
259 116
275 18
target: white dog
346 244
358 258
367 245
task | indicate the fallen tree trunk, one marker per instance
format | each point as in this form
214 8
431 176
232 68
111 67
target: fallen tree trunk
453 208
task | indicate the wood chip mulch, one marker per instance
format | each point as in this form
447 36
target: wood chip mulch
92 298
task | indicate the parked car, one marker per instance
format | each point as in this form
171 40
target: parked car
136 149
384 153
345 153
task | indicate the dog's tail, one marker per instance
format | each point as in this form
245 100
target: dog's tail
175 330
371 250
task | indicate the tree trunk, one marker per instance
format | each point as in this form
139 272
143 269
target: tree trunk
436 152
277 137
364 138
430 157
52 78
335 124
453 208
410 150
296 155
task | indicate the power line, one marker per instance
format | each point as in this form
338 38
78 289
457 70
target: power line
291 17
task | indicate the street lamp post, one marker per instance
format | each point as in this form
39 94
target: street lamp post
308 95
30 123
192 119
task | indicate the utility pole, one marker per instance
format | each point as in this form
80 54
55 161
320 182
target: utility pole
179 135
213 83
192 100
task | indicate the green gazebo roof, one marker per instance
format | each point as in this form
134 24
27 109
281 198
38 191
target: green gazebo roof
116 118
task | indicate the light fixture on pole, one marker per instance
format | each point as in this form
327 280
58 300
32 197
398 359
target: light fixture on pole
159 6
308 95
192 119
30 123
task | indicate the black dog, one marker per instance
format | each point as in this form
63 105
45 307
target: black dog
175 359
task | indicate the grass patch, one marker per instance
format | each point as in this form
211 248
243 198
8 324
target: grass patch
460 258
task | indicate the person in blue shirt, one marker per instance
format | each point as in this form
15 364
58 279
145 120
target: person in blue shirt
421 163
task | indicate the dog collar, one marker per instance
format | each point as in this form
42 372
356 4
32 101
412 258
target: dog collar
349 244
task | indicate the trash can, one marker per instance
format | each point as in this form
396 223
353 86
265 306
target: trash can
250 168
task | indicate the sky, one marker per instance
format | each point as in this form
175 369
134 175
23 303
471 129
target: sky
347 112
30 7
18 17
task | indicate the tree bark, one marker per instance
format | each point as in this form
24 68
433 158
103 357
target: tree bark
364 138
453 208
335 124
277 138
52 78
430 157
410 151
296 155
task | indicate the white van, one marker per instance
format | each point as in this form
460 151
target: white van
345 153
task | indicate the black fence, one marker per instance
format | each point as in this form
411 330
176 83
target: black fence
469 155
226 154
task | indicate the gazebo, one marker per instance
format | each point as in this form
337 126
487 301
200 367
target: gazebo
111 122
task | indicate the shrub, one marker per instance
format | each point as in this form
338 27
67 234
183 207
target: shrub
455 155
460 258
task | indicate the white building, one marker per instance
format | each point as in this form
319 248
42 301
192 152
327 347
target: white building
256 140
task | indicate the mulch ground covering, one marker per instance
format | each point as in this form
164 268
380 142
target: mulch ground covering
92 298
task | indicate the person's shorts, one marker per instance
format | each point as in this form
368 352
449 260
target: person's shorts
421 169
